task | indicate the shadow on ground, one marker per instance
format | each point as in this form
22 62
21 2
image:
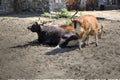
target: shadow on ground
60 51
32 43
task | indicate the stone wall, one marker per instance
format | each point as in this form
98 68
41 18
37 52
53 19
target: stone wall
39 6
56 5
6 6
31 6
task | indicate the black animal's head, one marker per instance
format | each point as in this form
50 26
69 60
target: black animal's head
68 40
35 27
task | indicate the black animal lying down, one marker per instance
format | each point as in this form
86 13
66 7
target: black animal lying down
53 35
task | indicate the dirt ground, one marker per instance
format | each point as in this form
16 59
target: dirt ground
21 56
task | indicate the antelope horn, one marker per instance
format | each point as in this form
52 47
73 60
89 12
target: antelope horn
74 15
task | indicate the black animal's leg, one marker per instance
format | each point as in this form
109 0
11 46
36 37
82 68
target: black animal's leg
64 44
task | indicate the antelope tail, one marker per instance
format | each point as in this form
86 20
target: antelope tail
102 28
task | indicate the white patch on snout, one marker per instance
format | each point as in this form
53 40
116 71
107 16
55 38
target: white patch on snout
78 28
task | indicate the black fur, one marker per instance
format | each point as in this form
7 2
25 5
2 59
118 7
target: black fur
48 35
66 42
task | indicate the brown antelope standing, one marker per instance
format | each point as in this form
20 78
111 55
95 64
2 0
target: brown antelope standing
87 25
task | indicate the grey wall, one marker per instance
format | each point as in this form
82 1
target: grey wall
6 6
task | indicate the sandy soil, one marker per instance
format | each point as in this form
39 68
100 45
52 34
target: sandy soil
21 56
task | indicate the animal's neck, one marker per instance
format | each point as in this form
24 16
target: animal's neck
39 30
39 33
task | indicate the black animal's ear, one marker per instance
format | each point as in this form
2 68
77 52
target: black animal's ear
36 23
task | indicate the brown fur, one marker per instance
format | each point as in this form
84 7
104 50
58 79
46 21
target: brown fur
88 22
68 28
65 27
89 26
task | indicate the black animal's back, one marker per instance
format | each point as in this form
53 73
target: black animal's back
52 34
